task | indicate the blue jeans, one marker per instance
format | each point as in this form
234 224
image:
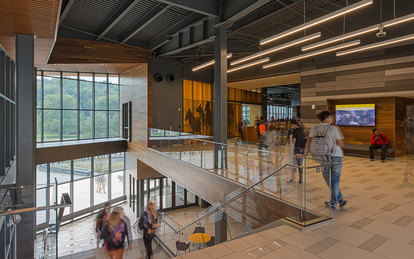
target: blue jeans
299 162
335 170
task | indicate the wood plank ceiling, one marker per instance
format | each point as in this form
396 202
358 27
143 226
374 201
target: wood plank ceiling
39 18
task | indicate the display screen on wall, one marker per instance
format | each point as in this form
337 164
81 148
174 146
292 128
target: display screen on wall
355 115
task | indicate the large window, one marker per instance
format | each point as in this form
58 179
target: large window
279 112
73 106
89 181
246 114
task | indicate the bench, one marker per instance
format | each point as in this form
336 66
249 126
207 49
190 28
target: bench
363 150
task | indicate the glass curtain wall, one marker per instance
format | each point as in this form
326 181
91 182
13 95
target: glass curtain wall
73 106
279 112
90 181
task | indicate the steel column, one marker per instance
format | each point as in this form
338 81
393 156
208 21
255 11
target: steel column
220 94
26 140
3 121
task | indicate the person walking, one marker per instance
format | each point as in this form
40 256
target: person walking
125 218
333 139
114 233
298 139
148 223
100 221
378 140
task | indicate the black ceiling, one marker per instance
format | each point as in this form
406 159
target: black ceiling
151 23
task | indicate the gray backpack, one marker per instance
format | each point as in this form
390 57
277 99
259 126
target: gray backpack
319 148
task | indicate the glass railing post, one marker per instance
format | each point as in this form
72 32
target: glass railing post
203 156
247 167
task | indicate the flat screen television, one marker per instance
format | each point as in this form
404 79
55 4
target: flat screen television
355 115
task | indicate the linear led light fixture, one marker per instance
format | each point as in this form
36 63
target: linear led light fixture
376 45
315 53
209 63
345 36
327 17
257 62
277 48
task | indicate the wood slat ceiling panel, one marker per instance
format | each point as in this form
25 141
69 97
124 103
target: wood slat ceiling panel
37 18
76 51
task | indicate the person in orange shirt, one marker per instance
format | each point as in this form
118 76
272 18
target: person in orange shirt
378 140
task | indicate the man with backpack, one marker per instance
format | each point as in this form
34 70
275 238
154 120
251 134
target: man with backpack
378 140
324 143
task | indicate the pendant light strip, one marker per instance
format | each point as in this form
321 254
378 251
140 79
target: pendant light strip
277 48
209 63
257 62
315 53
327 17
386 24
376 45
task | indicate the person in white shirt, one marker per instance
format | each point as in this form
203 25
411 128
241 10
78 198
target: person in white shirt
334 140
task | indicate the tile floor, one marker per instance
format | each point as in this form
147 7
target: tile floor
378 221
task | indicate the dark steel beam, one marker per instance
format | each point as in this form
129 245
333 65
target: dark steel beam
122 10
232 11
193 45
66 11
204 7
153 14
161 37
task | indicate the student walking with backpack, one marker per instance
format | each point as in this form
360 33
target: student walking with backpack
101 219
324 143
148 223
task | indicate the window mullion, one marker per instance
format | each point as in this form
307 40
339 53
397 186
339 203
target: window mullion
78 104
93 106
61 107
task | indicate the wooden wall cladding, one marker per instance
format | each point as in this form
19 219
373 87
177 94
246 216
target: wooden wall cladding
388 73
390 114
76 51
243 96
384 120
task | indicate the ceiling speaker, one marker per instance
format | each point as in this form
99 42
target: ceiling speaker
170 78
157 77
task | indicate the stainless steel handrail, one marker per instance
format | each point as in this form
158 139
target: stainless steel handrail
49 207
249 189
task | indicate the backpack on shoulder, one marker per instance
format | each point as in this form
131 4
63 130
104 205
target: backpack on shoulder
141 220
319 148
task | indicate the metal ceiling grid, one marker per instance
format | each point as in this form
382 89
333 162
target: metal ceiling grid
136 13
89 15
166 20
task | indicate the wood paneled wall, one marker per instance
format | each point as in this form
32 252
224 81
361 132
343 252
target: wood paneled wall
384 120
76 51
383 74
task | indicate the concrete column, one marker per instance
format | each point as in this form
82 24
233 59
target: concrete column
26 140
220 96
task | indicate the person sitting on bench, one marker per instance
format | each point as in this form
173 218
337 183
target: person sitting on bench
378 141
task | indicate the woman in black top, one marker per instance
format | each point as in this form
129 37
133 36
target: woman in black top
113 234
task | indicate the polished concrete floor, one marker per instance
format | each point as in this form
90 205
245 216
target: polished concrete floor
377 222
